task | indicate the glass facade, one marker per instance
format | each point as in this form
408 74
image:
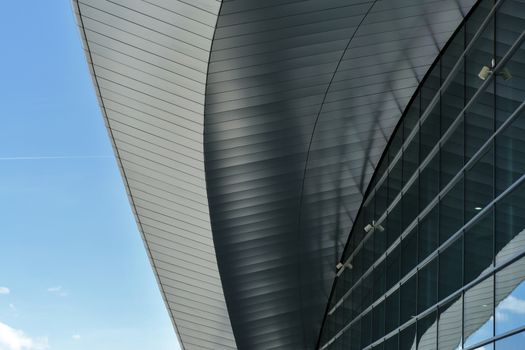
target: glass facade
436 257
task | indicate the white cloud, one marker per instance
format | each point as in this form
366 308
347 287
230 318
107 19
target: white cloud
4 290
513 304
76 336
57 290
14 339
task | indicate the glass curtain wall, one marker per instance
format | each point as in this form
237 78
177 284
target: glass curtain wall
436 257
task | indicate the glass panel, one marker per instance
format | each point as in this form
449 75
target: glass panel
394 182
392 311
408 299
514 342
427 332
429 182
366 329
479 242
368 253
452 156
407 338
510 297
409 252
410 207
392 268
479 121
355 334
450 269
378 321
479 185
411 159
428 234
510 154
392 343
510 225
451 212
427 286
479 316
381 198
379 280
393 224
449 326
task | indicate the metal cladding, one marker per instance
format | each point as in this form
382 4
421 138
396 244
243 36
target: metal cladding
301 99
149 61
262 122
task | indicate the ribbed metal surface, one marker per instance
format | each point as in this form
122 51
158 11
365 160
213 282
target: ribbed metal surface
301 100
149 61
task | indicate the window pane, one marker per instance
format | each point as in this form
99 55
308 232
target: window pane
452 156
379 280
479 185
392 268
366 329
514 342
393 224
394 182
407 338
427 286
449 328
478 324
410 205
392 311
429 182
450 269
510 225
392 343
479 247
408 299
451 212
510 154
428 234
510 297
409 252
411 159
378 321
427 332
479 119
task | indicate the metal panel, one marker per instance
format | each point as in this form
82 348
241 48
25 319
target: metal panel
149 61
301 99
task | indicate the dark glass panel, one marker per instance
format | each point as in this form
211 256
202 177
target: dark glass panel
427 332
411 159
410 205
379 280
479 240
427 286
450 269
510 225
451 212
408 299
429 133
510 22
355 334
479 180
393 224
367 291
366 329
407 338
393 262
510 297
452 156
510 154
429 182
381 198
392 343
378 321
478 322
428 234
479 121
392 312
379 241
449 325
394 181
368 253
409 252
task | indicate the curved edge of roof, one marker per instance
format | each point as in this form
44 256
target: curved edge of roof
155 124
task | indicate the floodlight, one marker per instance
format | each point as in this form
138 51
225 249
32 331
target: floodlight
368 228
484 73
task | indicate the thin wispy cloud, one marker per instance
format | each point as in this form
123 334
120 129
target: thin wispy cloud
15 339
58 290
4 290
53 157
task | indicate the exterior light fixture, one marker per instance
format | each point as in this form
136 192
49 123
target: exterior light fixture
373 226
486 71
478 208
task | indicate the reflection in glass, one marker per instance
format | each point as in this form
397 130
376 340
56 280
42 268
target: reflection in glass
510 225
514 342
479 181
450 269
427 332
392 311
408 299
407 338
451 212
510 297
427 286
428 234
479 247
449 325
510 154
479 320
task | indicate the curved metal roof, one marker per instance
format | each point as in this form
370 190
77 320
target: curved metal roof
266 119
149 61
302 97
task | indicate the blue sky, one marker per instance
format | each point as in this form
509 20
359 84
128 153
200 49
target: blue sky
73 270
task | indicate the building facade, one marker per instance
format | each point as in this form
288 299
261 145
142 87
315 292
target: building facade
343 174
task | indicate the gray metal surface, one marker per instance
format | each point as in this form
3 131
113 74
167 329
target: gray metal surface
302 97
149 61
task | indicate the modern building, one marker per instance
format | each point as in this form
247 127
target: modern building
323 174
